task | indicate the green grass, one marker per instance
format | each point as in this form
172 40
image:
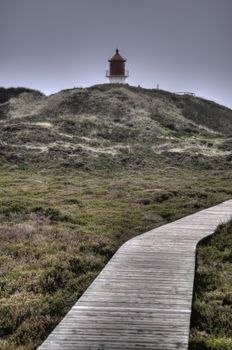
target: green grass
211 324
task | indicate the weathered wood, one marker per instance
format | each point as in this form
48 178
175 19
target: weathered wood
142 298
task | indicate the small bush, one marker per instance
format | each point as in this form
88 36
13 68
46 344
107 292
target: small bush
54 278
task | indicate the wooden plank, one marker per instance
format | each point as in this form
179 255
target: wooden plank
142 298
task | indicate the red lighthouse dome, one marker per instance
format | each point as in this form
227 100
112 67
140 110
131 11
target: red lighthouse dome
117 72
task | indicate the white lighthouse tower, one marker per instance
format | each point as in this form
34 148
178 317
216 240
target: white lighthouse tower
117 72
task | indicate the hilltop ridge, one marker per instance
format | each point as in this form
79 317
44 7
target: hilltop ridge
110 121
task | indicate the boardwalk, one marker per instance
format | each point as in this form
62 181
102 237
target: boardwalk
142 298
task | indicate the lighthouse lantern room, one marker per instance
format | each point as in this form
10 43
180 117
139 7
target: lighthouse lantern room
117 72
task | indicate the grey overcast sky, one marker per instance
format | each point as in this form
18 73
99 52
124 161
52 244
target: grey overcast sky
182 45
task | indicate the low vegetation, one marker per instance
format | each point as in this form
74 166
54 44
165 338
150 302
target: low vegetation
211 322
59 228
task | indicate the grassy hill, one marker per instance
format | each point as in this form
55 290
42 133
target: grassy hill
82 171
111 124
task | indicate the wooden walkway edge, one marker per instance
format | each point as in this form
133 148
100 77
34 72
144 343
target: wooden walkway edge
142 298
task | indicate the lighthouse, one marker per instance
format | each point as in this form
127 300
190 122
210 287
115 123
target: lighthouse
117 72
